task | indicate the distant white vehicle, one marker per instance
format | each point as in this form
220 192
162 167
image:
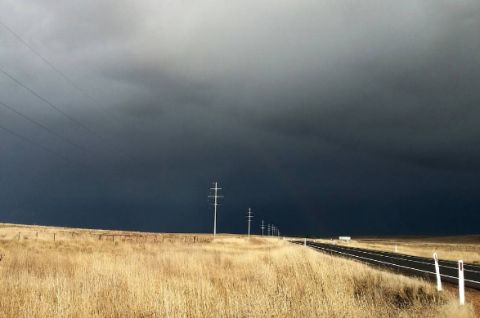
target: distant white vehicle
344 238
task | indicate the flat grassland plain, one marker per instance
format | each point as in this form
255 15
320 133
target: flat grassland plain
466 248
61 272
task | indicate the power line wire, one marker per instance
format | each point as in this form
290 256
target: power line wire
42 126
32 142
69 81
63 113
46 101
54 68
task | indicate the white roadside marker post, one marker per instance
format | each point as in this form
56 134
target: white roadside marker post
437 272
305 242
461 283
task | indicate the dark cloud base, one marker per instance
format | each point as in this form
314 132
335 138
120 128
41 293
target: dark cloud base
326 118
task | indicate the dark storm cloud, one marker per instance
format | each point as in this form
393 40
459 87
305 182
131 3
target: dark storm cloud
329 107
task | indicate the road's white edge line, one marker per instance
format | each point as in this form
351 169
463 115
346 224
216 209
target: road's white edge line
413 256
392 264
403 259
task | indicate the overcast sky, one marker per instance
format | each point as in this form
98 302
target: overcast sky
325 117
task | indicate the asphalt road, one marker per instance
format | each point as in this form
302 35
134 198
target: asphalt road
404 264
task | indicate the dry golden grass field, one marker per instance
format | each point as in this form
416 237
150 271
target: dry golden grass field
87 273
452 248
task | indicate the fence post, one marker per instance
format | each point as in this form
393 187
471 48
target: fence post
437 272
461 283
54 234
